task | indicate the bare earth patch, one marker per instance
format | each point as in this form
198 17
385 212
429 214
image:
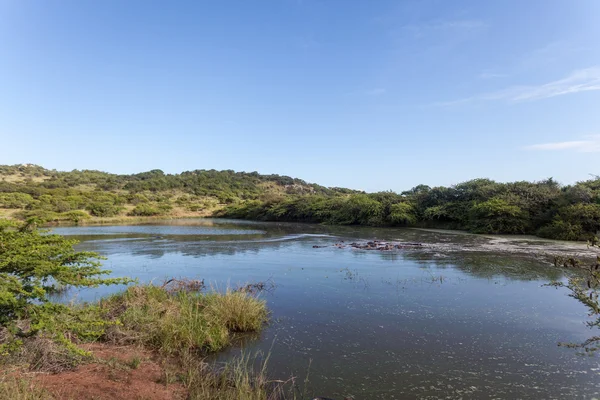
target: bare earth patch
120 372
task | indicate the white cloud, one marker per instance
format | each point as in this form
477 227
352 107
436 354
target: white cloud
591 145
583 80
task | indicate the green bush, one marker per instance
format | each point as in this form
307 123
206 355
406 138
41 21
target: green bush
34 264
40 215
498 216
585 215
357 209
563 230
15 200
103 209
403 214
76 216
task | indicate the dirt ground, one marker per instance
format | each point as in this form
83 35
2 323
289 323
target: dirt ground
119 373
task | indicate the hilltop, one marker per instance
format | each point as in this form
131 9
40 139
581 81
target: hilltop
28 190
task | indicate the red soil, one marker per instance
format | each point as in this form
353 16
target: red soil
112 378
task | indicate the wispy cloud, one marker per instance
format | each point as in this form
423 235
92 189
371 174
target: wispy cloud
583 80
590 145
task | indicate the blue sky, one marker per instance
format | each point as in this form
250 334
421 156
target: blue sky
372 95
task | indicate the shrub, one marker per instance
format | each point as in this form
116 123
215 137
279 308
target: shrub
585 215
34 263
103 209
402 214
563 230
498 216
356 209
146 210
76 216
196 207
39 215
15 200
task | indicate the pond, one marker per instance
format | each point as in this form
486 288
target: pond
460 316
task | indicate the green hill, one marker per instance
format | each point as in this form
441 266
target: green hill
543 208
28 190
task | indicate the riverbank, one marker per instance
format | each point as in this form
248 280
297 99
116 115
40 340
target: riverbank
82 218
145 342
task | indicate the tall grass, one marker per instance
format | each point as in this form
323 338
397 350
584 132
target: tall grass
243 377
176 322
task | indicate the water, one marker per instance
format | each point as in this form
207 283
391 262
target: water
463 316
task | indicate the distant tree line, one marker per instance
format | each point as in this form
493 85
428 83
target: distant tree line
543 208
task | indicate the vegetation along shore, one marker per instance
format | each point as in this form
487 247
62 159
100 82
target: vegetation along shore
544 208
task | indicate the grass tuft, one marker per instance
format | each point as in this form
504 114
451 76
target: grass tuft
244 377
135 362
175 322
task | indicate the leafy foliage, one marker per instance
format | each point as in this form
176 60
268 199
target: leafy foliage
481 205
34 264
403 214
498 216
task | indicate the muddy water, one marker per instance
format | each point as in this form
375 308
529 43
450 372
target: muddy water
462 316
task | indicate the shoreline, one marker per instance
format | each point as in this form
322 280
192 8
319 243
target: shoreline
153 344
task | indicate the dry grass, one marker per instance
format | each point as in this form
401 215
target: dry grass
7 213
175 285
12 388
44 354
176 213
41 353
17 178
